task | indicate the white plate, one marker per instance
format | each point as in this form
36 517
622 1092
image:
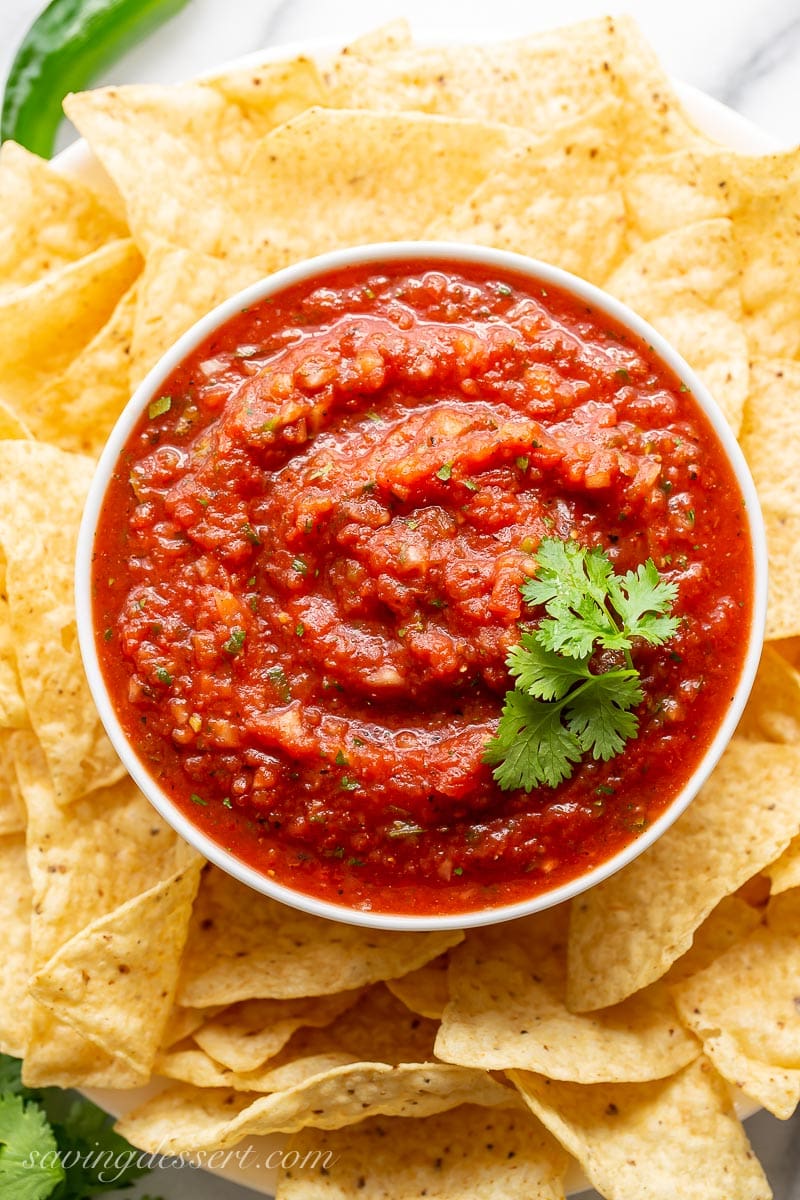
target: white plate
715 120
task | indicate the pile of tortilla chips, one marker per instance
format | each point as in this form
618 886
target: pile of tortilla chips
614 1032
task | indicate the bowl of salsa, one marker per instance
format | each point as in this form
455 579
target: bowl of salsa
421 585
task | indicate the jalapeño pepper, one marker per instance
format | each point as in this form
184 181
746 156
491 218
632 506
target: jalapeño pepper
64 48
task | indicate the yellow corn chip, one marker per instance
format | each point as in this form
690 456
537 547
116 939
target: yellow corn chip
674 1137
744 1008
469 1151
243 946
742 819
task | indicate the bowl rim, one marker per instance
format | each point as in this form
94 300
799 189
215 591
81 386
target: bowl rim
430 252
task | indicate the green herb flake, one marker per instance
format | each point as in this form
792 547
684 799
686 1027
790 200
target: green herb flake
472 485
623 375
163 676
300 566
299 629
340 759
348 785
277 677
458 870
235 642
250 534
195 799
157 408
523 462
108 635
503 289
227 802
444 472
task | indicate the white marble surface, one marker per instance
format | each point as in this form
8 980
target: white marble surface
744 52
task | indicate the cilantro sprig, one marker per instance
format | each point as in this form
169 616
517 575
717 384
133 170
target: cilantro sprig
58 1146
561 706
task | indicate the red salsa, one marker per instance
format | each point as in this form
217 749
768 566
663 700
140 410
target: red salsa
308 568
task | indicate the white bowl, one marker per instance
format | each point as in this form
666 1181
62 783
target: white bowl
500 262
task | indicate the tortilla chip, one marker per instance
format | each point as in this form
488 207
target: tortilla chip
245 1036
175 153
538 83
57 1056
189 1064
364 177
11 425
772 713
186 1119
176 288
47 323
38 530
469 1151
244 947
673 1137
13 713
15 915
49 220
686 284
769 442
744 1008
425 990
558 199
667 192
89 858
183 1022
79 407
85 860
114 982
732 920
742 819
269 93
12 810
784 873
507 1009
760 195
374 1028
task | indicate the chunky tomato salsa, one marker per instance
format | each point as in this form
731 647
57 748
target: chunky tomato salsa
308 569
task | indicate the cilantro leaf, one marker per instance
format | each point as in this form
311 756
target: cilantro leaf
59 1146
642 599
541 672
560 708
600 716
568 575
531 746
29 1164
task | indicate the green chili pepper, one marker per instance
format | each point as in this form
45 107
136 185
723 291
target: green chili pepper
68 44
